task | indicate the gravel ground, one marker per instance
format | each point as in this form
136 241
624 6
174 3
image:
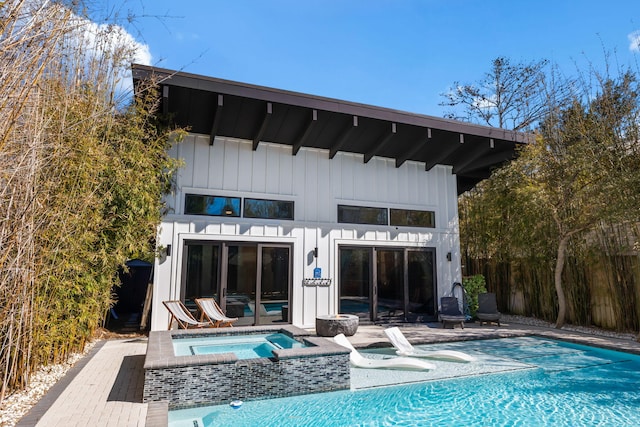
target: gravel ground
583 329
16 405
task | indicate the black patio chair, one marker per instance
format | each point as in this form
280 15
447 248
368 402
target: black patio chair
488 309
450 312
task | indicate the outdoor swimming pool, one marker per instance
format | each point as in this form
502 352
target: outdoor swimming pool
542 382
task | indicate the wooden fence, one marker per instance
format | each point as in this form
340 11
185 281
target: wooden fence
603 291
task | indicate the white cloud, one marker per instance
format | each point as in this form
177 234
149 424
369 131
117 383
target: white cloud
110 39
485 103
114 44
186 37
634 41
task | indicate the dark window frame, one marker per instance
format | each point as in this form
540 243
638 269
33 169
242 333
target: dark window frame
414 221
246 213
386 216
235 207
228 209
344 210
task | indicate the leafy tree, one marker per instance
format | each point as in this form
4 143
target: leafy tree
582 170
510 96
579 177
81 181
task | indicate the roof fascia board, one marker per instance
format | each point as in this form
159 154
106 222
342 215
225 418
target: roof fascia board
227 87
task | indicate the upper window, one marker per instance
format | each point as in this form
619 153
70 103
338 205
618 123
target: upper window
362 215
410 218
268 209
197 204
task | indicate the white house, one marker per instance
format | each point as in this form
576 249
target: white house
291 206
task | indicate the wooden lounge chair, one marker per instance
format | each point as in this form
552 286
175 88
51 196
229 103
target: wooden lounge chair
488 309
450 312
183 316
404 348
212 312
360 361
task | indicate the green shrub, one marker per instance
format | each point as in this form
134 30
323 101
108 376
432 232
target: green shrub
473 286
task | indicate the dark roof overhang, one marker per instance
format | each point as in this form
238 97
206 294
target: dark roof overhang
217 107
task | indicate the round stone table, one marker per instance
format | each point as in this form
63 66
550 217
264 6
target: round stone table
334 324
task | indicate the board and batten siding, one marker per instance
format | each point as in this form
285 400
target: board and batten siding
317 185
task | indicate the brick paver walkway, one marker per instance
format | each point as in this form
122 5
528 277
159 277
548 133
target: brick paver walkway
107 391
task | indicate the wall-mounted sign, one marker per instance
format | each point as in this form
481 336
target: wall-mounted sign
317 273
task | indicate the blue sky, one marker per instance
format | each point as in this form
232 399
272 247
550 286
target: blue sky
399 54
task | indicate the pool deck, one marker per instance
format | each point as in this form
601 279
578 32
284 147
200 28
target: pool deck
105 387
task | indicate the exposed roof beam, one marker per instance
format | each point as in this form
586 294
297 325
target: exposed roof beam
472 155
216 120
165 99
263 126
384 140
305 120
262 93
414 148
342 139
442 155
305 134
487 161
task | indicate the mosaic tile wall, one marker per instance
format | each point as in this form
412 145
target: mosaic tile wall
187 381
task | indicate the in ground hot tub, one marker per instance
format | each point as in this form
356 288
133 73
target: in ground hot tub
245 346
297 363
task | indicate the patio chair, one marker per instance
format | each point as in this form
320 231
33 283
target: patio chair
210 310
450 312
183 316
404 348
360 361
488 309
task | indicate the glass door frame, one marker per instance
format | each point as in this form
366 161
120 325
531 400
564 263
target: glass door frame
223 270
373 275
259 257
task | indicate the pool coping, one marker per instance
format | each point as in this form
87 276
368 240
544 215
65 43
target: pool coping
160 347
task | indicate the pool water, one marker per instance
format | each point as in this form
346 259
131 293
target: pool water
562 384
243 346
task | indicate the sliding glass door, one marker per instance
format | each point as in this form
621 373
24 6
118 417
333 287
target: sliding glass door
421 284
356 270
273 285
201 272
239 282
394 283
251 281
389 279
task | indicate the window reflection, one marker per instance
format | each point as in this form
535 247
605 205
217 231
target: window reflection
196 204
362 215
268 209
412 218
